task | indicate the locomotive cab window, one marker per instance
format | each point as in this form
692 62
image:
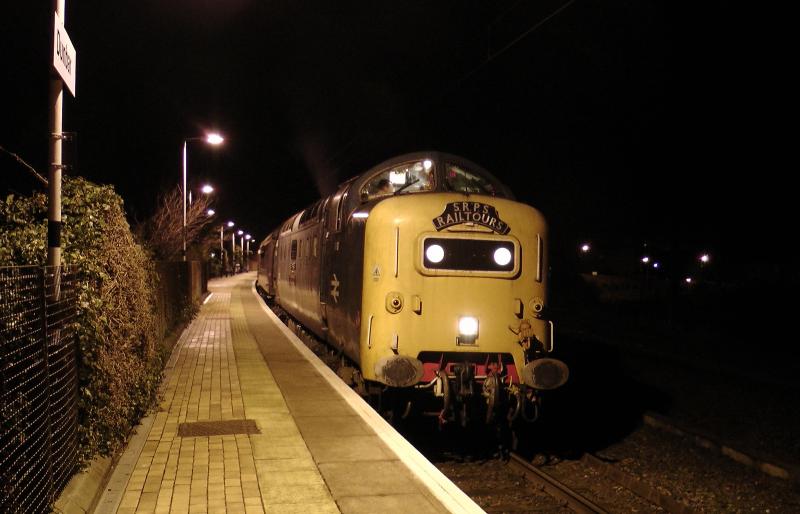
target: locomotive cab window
408 177
461 180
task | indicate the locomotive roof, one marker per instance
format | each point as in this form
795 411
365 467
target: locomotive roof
439 158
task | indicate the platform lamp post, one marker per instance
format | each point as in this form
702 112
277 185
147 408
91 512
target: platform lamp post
247 238
222 243
222 235
212 139
207 189
241 246
233 249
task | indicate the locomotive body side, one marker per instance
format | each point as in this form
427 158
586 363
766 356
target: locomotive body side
266 256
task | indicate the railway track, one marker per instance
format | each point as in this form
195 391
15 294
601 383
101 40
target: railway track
571 498
553 495
588 484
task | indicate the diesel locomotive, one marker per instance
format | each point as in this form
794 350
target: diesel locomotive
428 275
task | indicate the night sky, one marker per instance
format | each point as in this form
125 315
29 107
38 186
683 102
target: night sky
625 122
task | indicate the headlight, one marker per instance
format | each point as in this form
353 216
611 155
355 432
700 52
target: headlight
497 256
434 253
468 326
467 330
502 256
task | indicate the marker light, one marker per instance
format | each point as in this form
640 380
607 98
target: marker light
434 253
468 326
502 256
427 164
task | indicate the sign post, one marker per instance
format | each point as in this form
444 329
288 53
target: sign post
64 63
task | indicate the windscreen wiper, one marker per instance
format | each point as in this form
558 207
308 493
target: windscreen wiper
406 185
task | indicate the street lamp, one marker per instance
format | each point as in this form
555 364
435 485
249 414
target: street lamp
212 139
221 235
207 189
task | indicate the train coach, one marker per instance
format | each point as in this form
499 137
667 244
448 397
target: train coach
428 275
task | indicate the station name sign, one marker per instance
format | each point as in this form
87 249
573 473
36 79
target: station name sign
64 54
479 213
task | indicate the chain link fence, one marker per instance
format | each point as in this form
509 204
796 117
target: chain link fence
38 385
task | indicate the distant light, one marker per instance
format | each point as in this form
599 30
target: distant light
705 258
240 232
230 224
688 280
585 247
656 265
361 215
247 236
214 139
645 259
211 212
207 189
427 164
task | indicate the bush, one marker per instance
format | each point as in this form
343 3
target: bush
120 363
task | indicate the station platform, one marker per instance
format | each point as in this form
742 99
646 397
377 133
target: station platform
251 421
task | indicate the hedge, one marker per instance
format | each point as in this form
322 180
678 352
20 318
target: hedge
120 360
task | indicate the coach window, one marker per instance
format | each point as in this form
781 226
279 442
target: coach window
294 249
340 212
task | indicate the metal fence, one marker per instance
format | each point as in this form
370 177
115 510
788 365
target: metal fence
38 386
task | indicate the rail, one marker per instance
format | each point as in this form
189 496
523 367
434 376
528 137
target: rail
553 487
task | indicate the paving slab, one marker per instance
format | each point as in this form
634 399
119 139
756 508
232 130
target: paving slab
265 428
